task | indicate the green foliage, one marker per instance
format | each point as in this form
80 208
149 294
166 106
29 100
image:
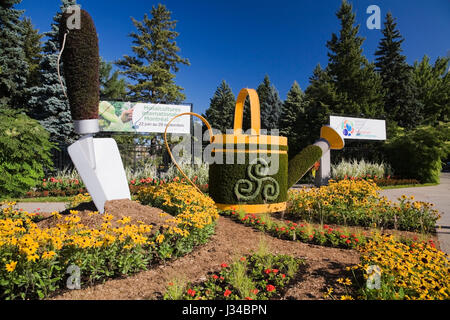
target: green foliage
433 84
271 108
111 87
400 103
220 113
12 56
24 152
47 102
32 49
355 79
81 67
292 112
255 277
156 59
417 154
225 177
359 169
300 164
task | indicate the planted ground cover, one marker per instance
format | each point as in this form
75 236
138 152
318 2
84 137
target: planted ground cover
259 276
35 257
358 203
405 271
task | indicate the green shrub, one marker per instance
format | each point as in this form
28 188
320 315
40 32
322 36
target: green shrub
24 152
417 154
359 169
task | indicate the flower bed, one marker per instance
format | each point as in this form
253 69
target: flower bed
358 203
255 277
53 187
406 271
34 261
195 214
304 232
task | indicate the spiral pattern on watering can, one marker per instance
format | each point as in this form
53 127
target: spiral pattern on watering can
245 189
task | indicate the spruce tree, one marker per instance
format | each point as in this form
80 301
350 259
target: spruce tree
433 85
49 105
156 59
353 76
292 113
12 56
271 110
220 113
111 87
400 103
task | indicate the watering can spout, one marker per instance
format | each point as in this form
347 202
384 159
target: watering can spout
304 161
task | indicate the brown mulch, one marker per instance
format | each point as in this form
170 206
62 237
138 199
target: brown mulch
118 209
230 241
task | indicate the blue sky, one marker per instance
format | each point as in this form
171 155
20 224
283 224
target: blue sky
242 41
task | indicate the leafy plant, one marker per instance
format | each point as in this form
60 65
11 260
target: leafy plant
24 152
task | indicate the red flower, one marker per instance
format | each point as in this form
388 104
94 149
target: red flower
255 291
248 298
275 270
224 265
191 292
226 293
348 241
215 277
283 275
270 288
356 240
243 259
221 278
267 271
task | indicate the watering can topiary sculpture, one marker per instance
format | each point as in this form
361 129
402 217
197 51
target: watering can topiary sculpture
252 171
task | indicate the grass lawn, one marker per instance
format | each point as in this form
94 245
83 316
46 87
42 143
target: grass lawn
42 199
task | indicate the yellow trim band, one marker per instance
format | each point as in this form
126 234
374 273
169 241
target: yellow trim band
250 151
246 139
254 208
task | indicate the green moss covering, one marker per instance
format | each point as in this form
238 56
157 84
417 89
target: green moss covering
232 184
302 163
81 67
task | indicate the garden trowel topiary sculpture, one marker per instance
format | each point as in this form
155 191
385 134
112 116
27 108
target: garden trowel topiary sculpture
252 171
97 161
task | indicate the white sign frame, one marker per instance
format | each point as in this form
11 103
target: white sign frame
359 128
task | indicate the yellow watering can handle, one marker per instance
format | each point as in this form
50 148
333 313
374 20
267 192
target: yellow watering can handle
254 111
170 151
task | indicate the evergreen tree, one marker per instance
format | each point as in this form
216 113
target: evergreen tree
271 110
220 113
292 113
400 103
156 59
49 105
32 47
111 87
433 85
12 56
354 77
320 99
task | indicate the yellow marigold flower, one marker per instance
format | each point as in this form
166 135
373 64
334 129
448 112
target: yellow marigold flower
11 266
346 297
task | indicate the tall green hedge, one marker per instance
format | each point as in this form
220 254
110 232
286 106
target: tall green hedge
418 154
24 152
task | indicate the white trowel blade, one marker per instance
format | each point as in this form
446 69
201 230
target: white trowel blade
106 180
